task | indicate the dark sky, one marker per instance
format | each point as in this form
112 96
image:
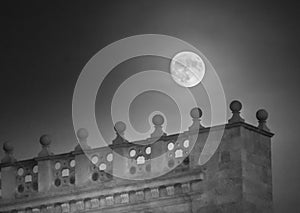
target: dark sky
253 46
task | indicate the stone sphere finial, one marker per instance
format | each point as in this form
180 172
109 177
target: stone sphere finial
82 134
262 116
196 113
120 127
7 148
45 140
158 120
235 106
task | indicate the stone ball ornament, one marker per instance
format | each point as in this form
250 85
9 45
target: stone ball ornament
120 126
45 140
7 147
82 134
158 120
196 112
235 106
188 66
262 115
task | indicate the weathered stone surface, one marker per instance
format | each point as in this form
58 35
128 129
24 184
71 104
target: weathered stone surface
237 178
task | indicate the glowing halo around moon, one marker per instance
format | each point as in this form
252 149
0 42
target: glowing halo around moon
187 69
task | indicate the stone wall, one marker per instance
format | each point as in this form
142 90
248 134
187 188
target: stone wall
124 177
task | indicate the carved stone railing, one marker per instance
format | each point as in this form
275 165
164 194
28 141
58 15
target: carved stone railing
84 179
108 198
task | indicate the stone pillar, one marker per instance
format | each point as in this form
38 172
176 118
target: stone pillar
45 176
120 162
196 140
82 169
82 166
257 167
159 162
238 177
8 173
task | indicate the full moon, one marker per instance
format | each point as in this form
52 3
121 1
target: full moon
187 69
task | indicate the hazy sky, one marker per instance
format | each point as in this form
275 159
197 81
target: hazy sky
253 46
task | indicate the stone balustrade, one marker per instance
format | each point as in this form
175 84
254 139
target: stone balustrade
84 179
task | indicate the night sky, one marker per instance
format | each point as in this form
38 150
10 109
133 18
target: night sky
253 46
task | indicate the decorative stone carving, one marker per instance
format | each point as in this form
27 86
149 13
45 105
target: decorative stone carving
235 107
104 192
9 151
262 116
196 114
45 141
170 190
82 135
124 198
120 128
158 121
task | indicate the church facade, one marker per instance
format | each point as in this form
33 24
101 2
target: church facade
237 178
